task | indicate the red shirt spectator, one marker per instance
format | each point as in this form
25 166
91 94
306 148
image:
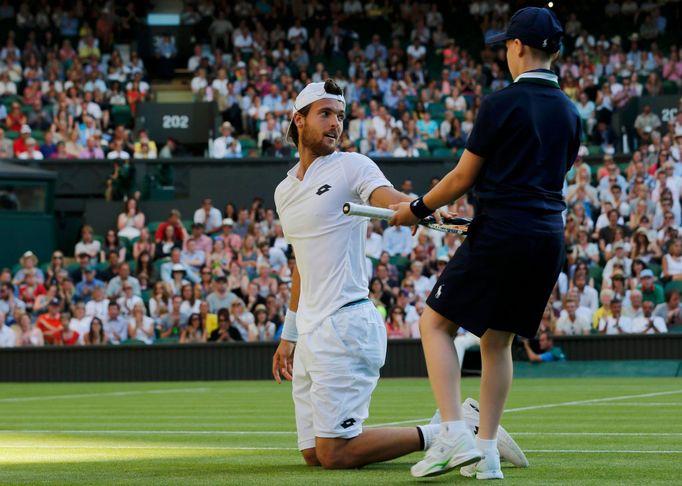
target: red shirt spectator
173 220
50 323
16 119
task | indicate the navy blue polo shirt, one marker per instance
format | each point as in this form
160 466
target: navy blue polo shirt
529 135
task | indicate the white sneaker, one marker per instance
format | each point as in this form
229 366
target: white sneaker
447 453
487 468
508 448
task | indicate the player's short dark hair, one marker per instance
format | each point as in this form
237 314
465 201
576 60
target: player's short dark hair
330 87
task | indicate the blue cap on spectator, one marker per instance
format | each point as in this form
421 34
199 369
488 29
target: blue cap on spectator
646 273
534 27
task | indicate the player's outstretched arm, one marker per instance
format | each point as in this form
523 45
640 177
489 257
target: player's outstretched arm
383 197
453 186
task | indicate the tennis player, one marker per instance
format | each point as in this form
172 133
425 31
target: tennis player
524 140
338 335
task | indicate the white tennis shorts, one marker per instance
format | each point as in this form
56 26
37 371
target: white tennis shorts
336 368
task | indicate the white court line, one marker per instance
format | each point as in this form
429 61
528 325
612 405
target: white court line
62 447
549 405
597 451
103 394
267 432
148 432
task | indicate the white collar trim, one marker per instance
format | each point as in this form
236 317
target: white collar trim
538 75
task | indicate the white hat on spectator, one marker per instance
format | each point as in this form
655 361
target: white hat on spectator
678 132
178 267
25 129
311 93
226 125
241 65
228 222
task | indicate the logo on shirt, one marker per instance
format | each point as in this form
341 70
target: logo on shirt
323 189
348 423
544 43
439 291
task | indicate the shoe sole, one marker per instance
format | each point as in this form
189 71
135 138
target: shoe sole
490 475
457 461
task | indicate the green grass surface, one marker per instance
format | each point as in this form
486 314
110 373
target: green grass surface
616 431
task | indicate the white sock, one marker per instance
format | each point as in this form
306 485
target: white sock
454 427
484 445
429 432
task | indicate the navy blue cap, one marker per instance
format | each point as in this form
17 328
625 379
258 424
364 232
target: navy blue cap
534 27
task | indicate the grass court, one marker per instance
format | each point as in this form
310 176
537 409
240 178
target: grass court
574 431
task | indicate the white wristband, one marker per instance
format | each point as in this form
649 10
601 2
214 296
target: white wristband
289 332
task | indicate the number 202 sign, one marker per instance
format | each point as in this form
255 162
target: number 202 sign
188 123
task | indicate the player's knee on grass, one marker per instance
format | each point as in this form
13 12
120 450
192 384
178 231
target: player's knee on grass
333 454
310 457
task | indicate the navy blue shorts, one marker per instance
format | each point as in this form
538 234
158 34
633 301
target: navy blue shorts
504 272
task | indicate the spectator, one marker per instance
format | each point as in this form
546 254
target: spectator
221 297
115 327
395 324
174 220
572 324
80 322
405 149
651 291
31 152
193 332
140 326
29 265
28 334
112 243
98 306
670 310
96 336
175 264
8 338
209 216
648 323
130 221
646 124
548 352
50 323
261 329
115 286
241 318
86 287
165 247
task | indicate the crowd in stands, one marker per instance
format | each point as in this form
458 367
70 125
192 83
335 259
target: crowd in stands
224 275
66 90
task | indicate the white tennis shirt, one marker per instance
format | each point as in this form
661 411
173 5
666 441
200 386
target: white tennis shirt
329 246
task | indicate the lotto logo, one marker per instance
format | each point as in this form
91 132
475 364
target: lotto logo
323 189
348 423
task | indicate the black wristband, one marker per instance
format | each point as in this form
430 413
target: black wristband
419 209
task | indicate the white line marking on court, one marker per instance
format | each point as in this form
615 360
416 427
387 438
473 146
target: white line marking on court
549 405
149 432
281 432
597 451
62 447
598 434
103 394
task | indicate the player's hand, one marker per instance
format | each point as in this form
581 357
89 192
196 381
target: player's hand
403 215
443 214
283 361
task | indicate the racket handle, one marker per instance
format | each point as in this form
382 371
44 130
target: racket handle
353 209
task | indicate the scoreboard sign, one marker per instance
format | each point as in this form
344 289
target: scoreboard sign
188 123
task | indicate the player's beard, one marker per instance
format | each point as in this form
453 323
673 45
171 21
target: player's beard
315 141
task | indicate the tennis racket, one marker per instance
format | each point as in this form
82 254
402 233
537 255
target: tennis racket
449 225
